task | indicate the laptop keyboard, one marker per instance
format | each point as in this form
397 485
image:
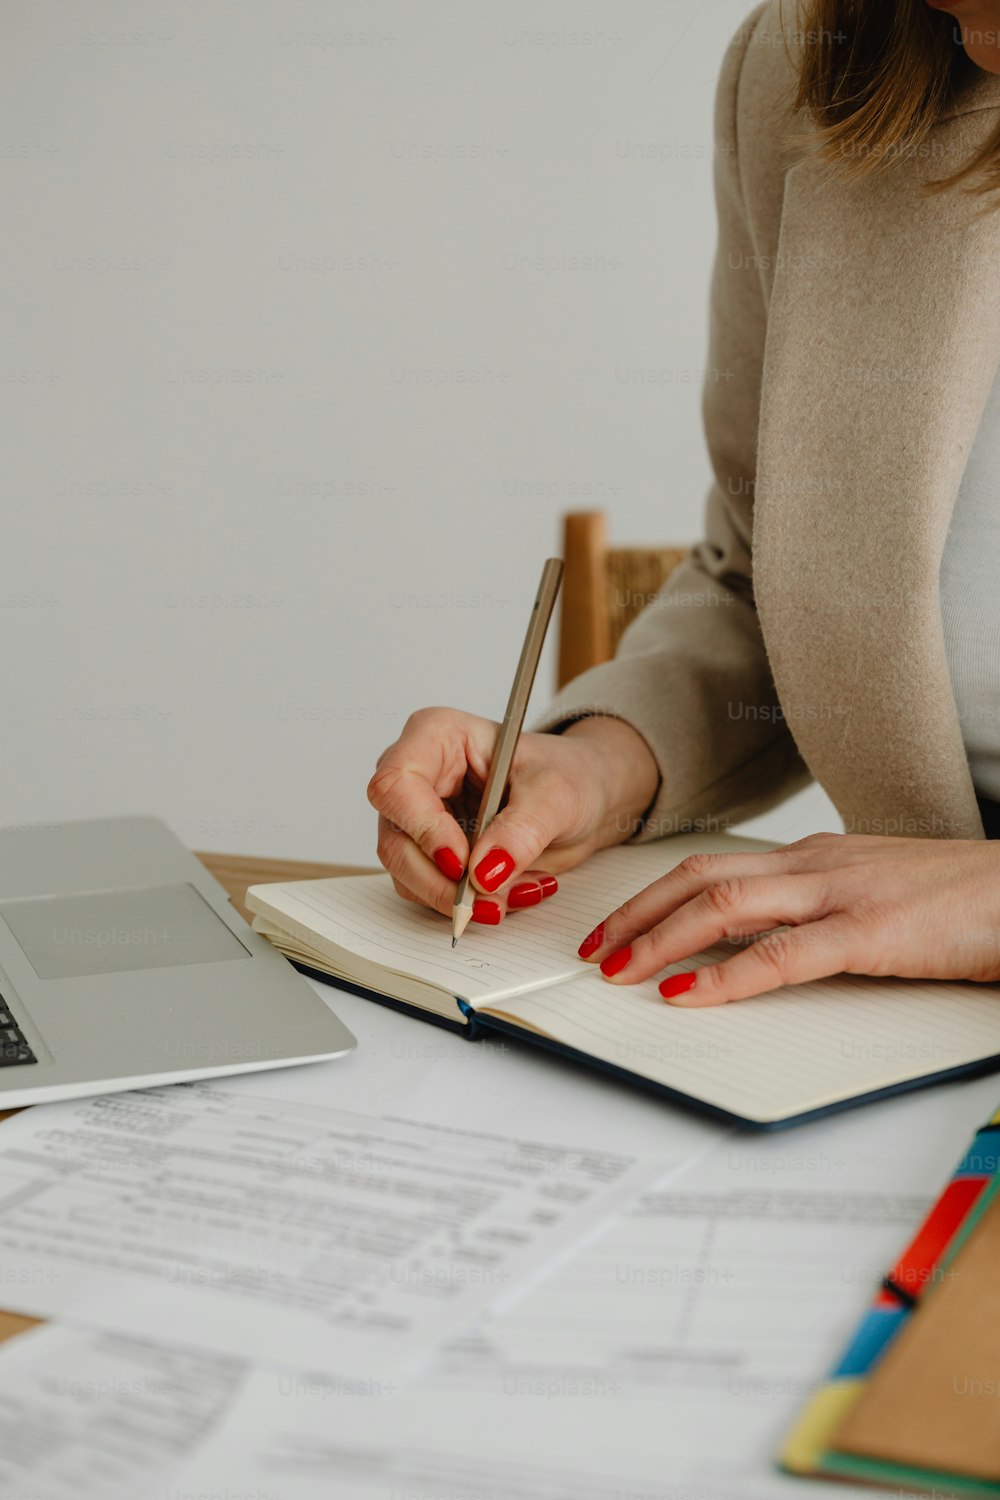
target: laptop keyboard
13 1048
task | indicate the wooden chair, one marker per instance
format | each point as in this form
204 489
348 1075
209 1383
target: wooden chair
603 589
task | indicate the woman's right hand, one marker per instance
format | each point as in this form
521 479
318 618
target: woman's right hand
569 794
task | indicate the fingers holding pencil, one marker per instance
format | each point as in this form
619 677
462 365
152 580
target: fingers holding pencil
423 846
417 880
427 787
537 828
529 890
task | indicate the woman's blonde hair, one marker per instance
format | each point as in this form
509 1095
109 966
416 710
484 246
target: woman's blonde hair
875 76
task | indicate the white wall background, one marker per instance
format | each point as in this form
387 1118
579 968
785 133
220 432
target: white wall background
291 414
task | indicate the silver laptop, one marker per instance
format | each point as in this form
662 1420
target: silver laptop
123 964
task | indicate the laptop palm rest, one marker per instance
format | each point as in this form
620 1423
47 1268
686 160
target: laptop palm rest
117 931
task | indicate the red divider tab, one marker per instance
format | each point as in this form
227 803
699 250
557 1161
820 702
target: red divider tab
915 1270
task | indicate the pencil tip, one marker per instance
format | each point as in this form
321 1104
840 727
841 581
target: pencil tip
460 917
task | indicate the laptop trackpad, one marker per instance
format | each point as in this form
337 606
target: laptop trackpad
111 932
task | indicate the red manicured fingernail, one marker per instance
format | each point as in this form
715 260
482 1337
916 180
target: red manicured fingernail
448 863
526 893
592 941
531 892
615 962
494 868
677 984
487 912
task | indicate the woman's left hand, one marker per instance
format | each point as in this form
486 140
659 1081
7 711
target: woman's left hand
916 908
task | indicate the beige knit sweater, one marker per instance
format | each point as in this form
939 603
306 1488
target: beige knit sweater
862 321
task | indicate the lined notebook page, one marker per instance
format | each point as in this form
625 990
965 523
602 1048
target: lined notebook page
363 916
776 1056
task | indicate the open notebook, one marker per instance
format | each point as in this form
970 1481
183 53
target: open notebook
764 1062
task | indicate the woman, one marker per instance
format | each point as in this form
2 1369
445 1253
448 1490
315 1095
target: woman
856 298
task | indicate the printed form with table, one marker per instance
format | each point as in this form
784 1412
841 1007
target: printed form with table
480 1271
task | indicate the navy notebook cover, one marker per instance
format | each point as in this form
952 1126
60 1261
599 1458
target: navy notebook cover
477 1027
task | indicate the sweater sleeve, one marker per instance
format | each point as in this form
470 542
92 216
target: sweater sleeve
691 673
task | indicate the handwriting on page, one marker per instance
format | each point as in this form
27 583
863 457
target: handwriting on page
364 916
